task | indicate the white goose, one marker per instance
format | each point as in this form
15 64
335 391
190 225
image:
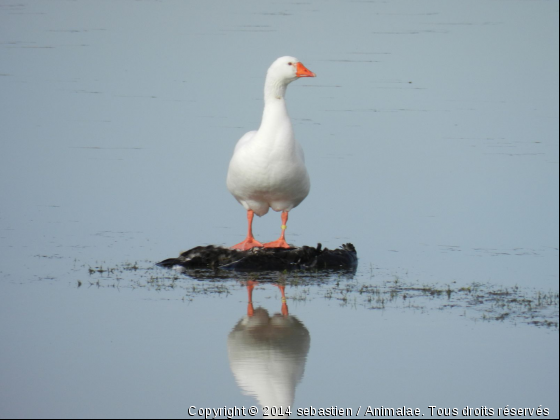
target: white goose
267 169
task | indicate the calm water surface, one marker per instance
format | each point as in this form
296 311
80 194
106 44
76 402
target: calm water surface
431 138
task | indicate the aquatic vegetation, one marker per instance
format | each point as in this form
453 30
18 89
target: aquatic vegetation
476 301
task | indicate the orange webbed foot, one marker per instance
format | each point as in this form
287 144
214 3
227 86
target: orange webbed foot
280 243
247 244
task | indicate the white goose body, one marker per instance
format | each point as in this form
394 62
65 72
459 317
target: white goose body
267 169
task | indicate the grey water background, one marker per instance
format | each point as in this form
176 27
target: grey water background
431 139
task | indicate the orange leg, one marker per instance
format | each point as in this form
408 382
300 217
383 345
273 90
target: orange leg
250 287
280 242
284 304
250 241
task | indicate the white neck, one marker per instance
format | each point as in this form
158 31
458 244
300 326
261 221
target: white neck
276 121
274 90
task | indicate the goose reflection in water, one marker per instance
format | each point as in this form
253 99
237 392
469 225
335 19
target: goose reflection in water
267 354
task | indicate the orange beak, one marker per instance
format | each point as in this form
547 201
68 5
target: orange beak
302 71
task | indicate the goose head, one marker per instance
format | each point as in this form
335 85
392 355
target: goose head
288 69
282 72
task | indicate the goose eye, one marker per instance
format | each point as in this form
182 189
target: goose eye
290 64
